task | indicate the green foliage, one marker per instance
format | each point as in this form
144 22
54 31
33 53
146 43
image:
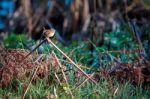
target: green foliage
121 39
15 41
102 90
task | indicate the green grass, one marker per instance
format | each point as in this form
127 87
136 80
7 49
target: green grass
80 53
40 89
102 90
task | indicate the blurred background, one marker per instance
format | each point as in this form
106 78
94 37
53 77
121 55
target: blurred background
102 22
73 19
96 33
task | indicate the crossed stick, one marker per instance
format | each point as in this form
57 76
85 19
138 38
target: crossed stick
50 33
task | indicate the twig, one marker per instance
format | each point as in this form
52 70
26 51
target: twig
63 73
22 61
84 81
116 90
49 41
58 79
23 96
136 32
138 50
59 64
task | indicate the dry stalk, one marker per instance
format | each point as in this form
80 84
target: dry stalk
116 90
58 78
59 64
84 81
22 61
63 73
23 96
35 71
50 42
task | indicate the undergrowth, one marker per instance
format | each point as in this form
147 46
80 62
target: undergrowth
119 49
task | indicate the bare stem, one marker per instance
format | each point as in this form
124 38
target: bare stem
49 41
84 81
23 96
63 74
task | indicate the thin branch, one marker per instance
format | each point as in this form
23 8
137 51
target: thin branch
58 79
22 61
49 41
23 96
63 73
84 81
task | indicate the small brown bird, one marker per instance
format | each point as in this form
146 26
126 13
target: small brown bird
48 32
